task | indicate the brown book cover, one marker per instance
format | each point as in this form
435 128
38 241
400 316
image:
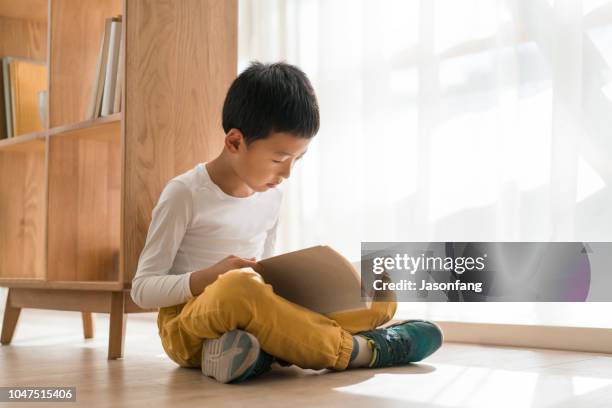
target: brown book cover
27 78
6 84
317 278
120 73
3 124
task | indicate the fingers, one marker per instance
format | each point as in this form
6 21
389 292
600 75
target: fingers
243 262
236 262
253 264
258 267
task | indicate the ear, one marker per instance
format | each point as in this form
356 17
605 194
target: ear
233 139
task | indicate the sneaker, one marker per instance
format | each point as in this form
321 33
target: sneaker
234 357
402 343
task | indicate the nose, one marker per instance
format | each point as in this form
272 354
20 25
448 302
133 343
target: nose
287 169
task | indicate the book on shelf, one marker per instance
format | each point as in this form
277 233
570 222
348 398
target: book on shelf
317 278
3 115
8 114
98 84
108 98
120 75
22 81
108 71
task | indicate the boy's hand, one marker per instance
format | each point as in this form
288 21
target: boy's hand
235 262
202 278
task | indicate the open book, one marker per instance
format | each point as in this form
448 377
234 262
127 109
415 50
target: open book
317 278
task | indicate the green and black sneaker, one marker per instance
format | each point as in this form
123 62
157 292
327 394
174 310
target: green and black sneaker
402 343
234 357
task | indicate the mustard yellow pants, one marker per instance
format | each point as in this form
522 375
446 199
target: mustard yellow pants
240 299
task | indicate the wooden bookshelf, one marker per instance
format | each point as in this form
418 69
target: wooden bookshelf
76 198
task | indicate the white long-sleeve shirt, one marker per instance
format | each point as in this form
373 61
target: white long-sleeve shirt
195 225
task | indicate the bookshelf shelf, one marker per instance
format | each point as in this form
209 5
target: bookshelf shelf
86 124
45 284
76 198
104 129
22 209
24 143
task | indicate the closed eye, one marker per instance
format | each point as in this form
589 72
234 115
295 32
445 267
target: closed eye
280 161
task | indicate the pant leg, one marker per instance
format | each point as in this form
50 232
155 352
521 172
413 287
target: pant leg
239 299
356 321
381 310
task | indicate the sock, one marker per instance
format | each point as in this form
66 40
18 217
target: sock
362 353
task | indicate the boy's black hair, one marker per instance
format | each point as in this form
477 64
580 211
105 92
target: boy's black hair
269 98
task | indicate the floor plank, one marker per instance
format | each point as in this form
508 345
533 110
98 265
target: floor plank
49 349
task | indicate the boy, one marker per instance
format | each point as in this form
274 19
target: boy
213 222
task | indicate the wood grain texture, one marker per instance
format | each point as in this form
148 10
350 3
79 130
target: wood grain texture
23 38
64 225
457 375
26 9
181 57
61 284
84 192
33 142
106 128
116 327
62 299
22 212
9 321
88 325
76 31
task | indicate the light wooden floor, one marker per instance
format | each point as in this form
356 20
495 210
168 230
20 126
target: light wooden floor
48 349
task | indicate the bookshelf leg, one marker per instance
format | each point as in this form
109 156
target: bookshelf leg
118 319
11 316
88 325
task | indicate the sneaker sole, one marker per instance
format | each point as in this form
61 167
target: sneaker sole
229 356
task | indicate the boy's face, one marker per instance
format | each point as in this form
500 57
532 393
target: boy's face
265 163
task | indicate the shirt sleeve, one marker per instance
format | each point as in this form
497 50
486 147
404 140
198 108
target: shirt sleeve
152 286
270 243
